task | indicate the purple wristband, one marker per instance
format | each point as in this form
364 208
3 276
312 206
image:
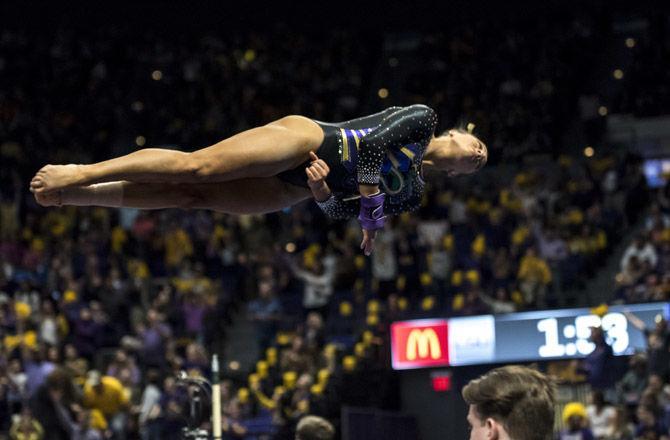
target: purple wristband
372 215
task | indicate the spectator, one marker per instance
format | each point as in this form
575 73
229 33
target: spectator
37 369
623 428
26 427
474 304
555 251
653 396
301 397
107 395
122 361
575 419
634 382
194 308
534 276
313 333
658 343
71 360
86 333
440 262
510 402
648 425
16 385
154 339
384 264
318 284
656 218
265 312
227 394
601 416
48 325
51 405
502 303
178 246
502 269
598 365
149 408
314 428
233 423
197 361
296 358
642 250
90 425
172 414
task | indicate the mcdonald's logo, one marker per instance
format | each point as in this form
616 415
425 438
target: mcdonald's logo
421 343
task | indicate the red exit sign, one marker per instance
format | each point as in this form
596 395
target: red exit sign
421 343
441 382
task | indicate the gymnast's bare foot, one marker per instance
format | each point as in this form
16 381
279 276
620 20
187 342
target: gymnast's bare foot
51 198
54 177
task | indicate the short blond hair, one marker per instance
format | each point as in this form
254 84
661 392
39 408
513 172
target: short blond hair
314 428
519 398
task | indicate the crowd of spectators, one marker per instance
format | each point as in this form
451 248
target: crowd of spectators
637 405
100 309
634 403
645 265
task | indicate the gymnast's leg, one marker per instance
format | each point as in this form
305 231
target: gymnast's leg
244 196
259 152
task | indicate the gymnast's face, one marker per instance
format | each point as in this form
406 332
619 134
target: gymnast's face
458 153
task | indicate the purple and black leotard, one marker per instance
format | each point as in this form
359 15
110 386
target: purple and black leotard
385 148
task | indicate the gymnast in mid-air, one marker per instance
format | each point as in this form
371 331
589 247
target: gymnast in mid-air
366 167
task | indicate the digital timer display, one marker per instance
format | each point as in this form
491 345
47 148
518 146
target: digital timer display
518 337
614 324
565 333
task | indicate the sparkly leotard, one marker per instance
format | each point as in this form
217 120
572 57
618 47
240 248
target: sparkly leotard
385 148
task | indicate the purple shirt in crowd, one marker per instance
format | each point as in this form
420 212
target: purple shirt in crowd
37 373
193 317
153 343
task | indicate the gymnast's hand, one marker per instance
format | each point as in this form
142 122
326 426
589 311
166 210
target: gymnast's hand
371 218
317 172
368 242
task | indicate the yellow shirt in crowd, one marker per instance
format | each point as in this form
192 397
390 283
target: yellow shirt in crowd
34 431
112 399
178 246
534 269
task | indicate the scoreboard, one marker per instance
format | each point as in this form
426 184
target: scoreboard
517 337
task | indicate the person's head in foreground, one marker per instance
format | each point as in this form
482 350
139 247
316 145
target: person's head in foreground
510 403
314 428
457 151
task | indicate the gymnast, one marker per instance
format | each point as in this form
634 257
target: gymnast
370 166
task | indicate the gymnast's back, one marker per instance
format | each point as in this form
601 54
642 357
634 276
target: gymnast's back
369 121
